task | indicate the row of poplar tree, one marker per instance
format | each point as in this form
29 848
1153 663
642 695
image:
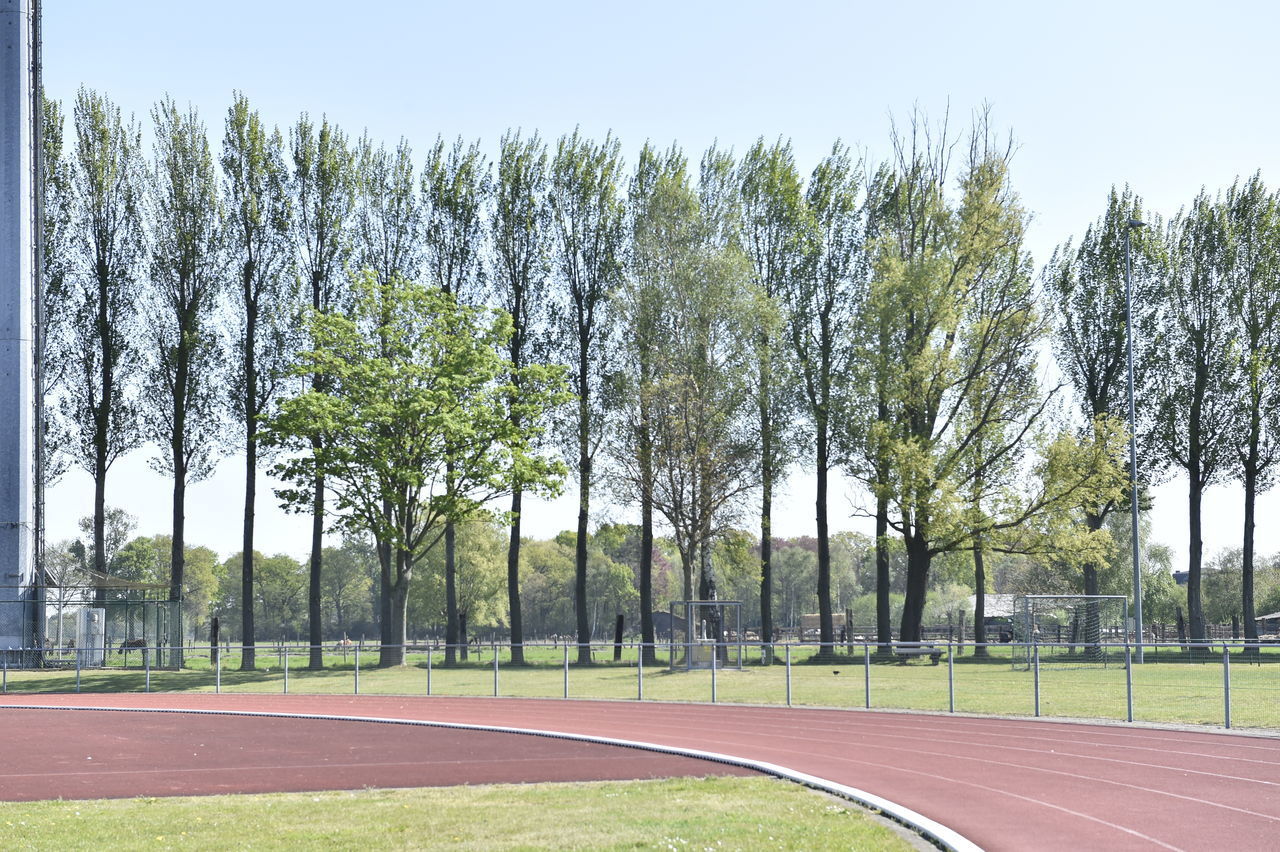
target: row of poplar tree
409 345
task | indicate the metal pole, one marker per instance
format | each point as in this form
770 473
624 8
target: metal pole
494 647
6 675
866 675
358 669
286 673
951 677
430 650
1133 440
1128 679
566 670
788 647
146 662
217 673
1036 663
78 654
1226 685
715 652
640 674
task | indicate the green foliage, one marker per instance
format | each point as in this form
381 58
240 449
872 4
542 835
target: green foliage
416 428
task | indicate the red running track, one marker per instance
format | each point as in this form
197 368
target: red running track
1003 784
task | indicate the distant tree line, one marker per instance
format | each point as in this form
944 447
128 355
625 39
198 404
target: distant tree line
411 348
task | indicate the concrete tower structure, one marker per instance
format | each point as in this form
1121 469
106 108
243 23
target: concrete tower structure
18 211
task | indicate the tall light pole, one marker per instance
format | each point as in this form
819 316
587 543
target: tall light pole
1133 437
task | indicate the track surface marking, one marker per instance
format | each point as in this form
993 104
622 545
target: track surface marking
1003 784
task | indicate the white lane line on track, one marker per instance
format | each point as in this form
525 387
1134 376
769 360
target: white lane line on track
940 834
916 735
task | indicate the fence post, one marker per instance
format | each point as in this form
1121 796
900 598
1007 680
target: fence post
217 673
286 673
715 653
566 670
1036 664
1226 685
430 653
951 677
788 647
357 670
1128 678
78 655
6 674
866 675
494 647
146 663
640 674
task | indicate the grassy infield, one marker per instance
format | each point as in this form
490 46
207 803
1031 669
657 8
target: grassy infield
676 814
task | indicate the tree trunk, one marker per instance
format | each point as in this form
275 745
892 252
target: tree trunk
513 582
918 559
392 653
584 502
884 618
766 549
250 478
246 576
826 623
451 639
314 627
648 636
980 600
1195 609
1246 578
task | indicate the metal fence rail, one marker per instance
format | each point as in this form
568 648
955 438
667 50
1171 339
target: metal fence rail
1186 682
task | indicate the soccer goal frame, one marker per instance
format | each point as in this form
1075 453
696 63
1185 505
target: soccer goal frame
1070 630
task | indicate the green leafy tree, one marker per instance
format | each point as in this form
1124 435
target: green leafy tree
1196 389
347 585
1253 224
258 224
455 190
775 236
103 264
418 386
518 234
323 201
587 225
1085 285
56 257
387 231
184 376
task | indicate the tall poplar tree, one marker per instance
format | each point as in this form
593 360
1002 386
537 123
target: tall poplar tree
1195 411
455 190
55 280
1253 223
823 303
1085 286
773 235
323 200
519 239
387 245
587 222
259 255
183 382
105 254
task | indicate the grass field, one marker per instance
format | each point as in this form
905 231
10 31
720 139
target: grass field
675 814
1172 686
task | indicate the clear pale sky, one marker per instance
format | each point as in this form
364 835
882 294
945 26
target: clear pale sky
1167 97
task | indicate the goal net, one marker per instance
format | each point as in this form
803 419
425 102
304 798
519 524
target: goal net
1070 630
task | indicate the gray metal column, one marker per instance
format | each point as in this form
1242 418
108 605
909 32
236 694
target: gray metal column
17 290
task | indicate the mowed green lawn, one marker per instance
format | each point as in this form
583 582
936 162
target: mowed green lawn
683 813
1171 687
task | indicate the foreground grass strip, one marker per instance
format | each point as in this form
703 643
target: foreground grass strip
685 813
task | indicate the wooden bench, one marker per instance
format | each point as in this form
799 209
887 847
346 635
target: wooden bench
905 653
